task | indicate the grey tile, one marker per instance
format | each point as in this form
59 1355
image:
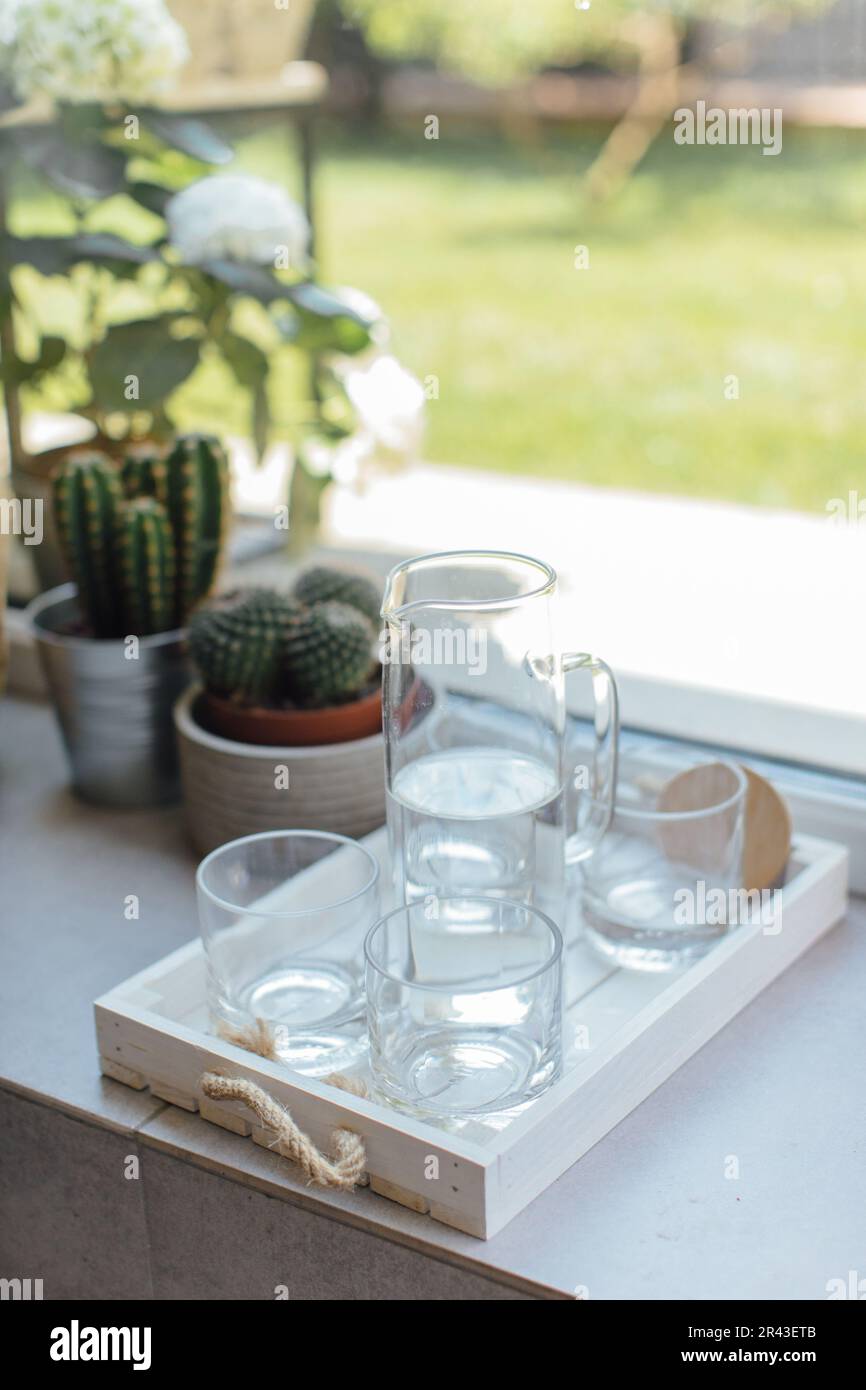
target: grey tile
67 870
187 1137
215 1238
68 1215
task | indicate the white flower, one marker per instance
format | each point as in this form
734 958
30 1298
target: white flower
240 218
389 405
90 50
389 416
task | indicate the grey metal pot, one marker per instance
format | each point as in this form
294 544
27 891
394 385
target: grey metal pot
115 710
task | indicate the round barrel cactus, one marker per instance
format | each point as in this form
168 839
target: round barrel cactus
328 654
322 583
237 642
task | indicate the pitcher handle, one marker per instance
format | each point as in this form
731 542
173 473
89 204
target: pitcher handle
604 758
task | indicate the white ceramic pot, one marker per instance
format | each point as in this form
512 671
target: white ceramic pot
232 789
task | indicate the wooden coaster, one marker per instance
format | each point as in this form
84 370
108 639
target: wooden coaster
703 844
767 841
768 834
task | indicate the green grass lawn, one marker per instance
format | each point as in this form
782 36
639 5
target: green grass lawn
715 262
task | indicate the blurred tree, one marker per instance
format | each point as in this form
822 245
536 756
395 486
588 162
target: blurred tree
497 42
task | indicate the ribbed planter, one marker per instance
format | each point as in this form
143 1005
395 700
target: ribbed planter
114 709
233 789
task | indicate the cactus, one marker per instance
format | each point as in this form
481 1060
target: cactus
328 654
197 502
146 565
144 473
87 495
323 583
237 643
142 560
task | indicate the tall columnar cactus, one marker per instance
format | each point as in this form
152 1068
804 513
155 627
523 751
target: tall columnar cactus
328 654
143 541
237 642
144 473
197 501
146 566
87 495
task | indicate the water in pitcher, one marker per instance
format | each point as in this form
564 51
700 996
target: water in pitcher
478 820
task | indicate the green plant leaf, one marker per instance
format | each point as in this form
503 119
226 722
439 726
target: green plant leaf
18 370
82 120
106 248
79 168
250 367
191 136
261 419
151 196
247 361
53 255
326 321
143 350
50 255
255 281
323 321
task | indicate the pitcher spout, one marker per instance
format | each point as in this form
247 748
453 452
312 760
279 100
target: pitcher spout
463 580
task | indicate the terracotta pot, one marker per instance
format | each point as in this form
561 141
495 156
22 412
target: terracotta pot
232 789
293 728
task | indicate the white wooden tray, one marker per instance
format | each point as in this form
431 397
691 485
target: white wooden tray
626 1033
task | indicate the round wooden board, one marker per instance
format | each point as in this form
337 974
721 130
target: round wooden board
768 829
768 834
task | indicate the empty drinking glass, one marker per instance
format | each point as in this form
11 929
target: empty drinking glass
463 1005
667 880
283 918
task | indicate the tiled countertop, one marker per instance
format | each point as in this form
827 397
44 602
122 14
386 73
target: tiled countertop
648 1213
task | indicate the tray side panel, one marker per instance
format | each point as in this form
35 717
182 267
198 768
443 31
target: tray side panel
406 1161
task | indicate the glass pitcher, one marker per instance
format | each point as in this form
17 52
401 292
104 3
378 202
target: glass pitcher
479 796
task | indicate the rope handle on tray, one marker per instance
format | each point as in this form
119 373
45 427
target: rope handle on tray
344 1172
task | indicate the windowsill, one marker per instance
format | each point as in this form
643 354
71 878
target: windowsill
724 623
746 689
